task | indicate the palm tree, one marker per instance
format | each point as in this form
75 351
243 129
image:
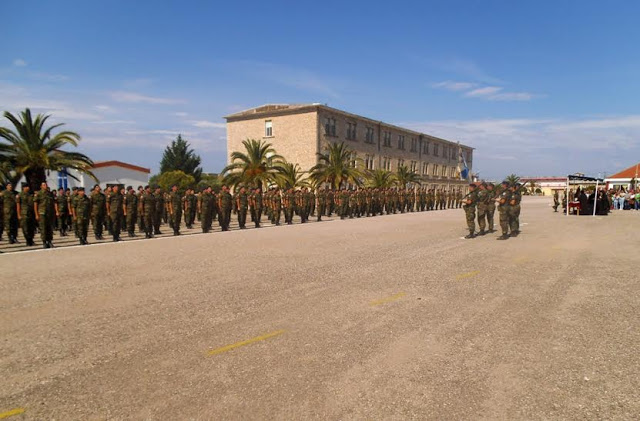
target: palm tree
256 167
380 179
32 149
337 166
405 176
290 176
532 186
512 179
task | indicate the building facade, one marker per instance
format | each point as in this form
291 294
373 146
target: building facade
624 178
299 132
108 173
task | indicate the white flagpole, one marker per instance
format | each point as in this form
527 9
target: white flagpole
595 198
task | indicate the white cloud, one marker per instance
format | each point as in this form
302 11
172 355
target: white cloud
487 91
208 124
454 86
19 62
133 97
105 108
181 114
513 96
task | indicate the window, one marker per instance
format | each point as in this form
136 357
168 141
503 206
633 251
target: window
453 172
330 126
425 168
445 151
444 171
435 169
453 153
436 148
414 144
414 166
387 139
351 131
268 128
400 142
353 159
369 136
425 148
400 162
386 163
368 161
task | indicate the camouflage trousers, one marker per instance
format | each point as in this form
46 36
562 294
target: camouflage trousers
514 218
482 216
28 225
46 227
491 210
504 218
470 213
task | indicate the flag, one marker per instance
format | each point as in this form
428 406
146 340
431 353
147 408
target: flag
463 168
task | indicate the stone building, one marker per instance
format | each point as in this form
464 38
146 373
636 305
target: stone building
299 132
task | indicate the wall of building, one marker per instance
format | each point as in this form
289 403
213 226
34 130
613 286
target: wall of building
105 175
294 136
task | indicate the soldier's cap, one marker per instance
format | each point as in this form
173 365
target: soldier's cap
74 189
472 185
505 183
96 185
484 184
129 187
9 184
80 188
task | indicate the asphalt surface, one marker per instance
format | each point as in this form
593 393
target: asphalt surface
393 317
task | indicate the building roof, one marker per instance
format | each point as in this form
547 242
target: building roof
630 172
104 164
552 178
284 109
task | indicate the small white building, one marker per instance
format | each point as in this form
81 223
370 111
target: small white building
623 178
108 173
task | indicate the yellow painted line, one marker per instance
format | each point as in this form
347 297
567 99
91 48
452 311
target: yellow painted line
467 275
11 413
388 299
247 342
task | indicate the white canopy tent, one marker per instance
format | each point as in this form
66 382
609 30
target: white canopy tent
581 179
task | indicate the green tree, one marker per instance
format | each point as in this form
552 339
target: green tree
179 178
512 179
404 176
337 166
32 149
290 176
212 180
180 157
256 166
380 179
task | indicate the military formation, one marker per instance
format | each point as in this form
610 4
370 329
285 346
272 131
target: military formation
483 199
144 211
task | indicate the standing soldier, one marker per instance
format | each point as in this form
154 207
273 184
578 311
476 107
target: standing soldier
44 211
98 211
148 211
159 210
131 204
190 208
344 197
514 209
556 201
330 202
287 203
175 209
276 201
116 211
483 198
139 213
225 203
81 212
322 202
10 213
107 217
62 211
491 206
503 208
26 215
256 206
470 210
205 208
242 205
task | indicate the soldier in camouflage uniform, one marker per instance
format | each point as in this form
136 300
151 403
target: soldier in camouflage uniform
276 200
514 210
321 198
26 215
139 213
98 210
225 203
242 204
10 213
44 210
61 205
148 211
503 209
116 211
288 200
131 205
175 209
205 208
255 204
491 207
159 197
470 210
483 198
81 212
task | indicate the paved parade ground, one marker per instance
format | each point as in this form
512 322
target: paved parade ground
392 317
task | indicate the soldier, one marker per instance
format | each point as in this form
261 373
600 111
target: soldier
44 211
330 202
159 198
108 225
81 212
205 208
514 209
242 205
225 203
98 211
322 203
62 210
483 198
175 209
189 211
116 211
470 210
10 213
276 200
25 214
288 199
139 214
556 200
491 206
503 208
148 211
131 205
256 206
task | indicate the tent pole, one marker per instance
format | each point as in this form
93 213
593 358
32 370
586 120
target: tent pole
567 196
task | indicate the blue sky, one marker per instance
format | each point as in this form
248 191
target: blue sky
538 88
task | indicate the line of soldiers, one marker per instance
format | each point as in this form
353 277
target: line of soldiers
115 210
483 199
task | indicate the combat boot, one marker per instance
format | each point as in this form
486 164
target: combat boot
471 235
503 237
482 232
